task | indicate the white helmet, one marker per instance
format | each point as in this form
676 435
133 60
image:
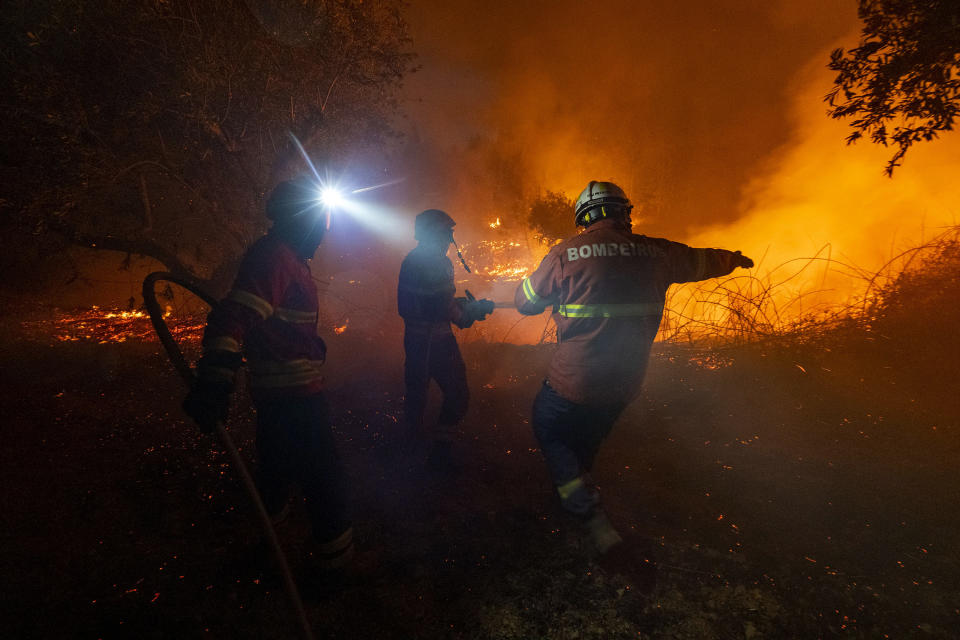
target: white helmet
601 200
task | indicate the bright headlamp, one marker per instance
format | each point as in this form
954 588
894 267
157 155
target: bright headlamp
332 197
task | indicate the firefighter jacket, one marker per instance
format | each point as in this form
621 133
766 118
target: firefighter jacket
272 311
425 292
607 288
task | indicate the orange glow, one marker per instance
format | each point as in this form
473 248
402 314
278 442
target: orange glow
714 151
104 326
824 225
495 225
500 260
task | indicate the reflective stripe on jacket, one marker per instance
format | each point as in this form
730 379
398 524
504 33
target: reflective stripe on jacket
607 288
272 310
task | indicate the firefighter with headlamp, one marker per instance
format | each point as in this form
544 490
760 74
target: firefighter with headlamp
426 301
272 312
606 287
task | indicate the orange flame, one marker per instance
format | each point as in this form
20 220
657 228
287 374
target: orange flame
104 326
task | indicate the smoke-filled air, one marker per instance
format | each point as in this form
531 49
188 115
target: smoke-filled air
710 115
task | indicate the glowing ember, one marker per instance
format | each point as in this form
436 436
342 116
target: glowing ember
710 361
495 225
103 326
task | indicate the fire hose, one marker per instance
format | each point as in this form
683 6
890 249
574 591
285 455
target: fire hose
187 373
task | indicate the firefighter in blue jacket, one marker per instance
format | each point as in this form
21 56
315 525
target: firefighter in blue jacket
426 301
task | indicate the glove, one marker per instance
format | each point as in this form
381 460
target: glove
208 403
741 260
473 310
483 308
466 316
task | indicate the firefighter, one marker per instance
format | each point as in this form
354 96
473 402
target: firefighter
606 287
426 302
272 312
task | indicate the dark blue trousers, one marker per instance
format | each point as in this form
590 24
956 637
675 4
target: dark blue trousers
434 357
570 435
295 444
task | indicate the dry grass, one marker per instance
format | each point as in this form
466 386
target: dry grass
747 308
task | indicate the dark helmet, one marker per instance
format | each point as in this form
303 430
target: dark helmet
433 224
297 214
293 199
601 200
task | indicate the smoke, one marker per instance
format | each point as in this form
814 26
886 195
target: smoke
817 196
710 115
677 102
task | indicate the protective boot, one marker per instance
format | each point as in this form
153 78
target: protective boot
279 518
603 535
326 571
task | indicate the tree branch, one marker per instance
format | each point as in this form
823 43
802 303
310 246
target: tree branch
139 245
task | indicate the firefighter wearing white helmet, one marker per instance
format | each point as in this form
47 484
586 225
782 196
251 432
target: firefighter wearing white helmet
600 200
606 287
426 301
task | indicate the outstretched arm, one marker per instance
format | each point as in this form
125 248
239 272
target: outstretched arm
689 264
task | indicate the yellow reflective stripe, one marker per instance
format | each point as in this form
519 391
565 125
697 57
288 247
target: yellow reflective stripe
223 343
275 381
701 264
339 543
252 301
285 366
295 316
567 490
337 552
336 561
531 294
634 310
291 373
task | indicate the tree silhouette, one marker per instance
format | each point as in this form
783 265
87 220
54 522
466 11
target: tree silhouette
902 83
551 217
156 126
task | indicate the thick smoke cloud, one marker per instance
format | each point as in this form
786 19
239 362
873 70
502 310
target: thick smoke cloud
816 196
710 114
679 102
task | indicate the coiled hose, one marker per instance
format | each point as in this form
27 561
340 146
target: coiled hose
187 373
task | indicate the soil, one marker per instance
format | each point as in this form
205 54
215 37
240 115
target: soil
789 490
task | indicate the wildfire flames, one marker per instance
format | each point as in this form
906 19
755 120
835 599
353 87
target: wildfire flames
104 326
500 260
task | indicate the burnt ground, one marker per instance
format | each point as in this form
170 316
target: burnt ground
779 490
